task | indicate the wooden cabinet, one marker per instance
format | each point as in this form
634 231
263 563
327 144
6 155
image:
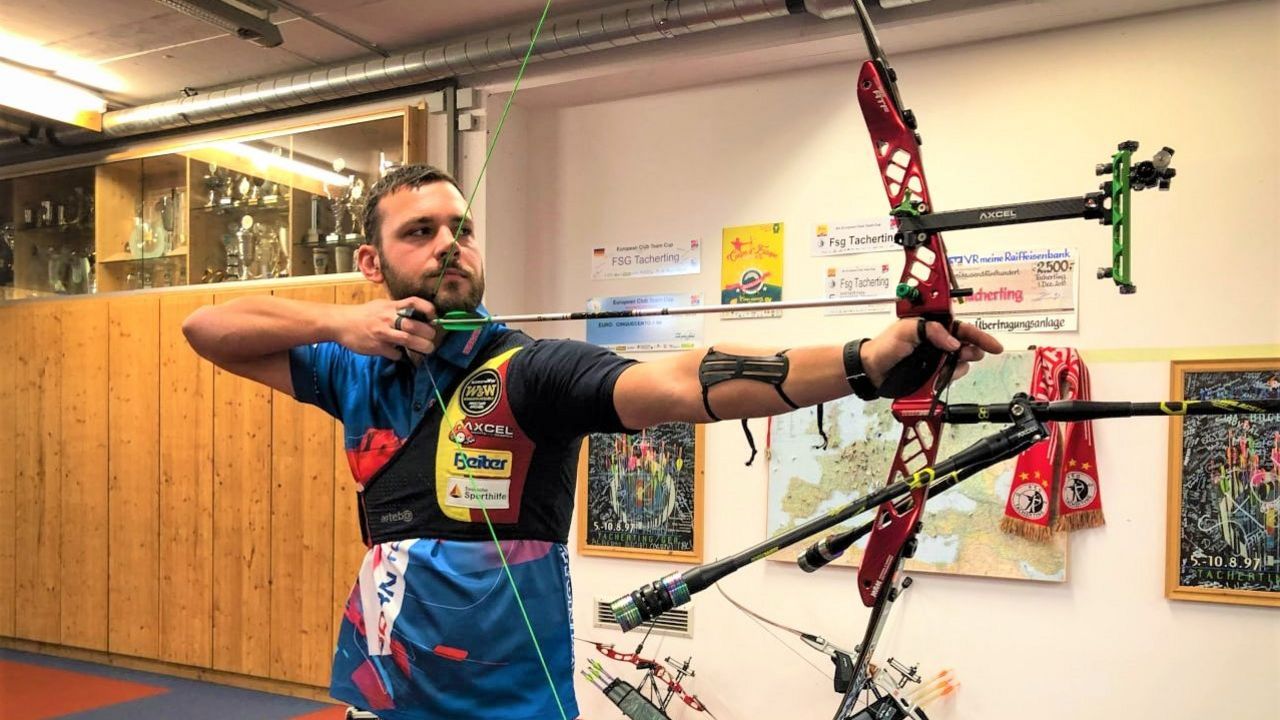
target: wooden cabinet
153 508
142 237
53 219
155 511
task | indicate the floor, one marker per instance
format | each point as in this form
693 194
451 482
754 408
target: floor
37 687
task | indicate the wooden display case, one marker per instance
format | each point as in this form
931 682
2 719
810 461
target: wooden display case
53 216
142 239
267 208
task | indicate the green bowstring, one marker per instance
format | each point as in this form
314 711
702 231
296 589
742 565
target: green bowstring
450 255
497 132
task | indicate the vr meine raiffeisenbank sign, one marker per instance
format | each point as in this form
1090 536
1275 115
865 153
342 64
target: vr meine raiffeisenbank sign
1020 290
646 259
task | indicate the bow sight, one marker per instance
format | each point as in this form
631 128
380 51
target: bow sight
1109 206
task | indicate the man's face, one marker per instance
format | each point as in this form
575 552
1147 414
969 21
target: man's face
419 226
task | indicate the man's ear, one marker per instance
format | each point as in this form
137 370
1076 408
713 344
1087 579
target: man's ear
369 263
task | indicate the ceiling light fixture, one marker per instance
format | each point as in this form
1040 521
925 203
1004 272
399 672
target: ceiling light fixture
50 97
21 51
264 160
246 19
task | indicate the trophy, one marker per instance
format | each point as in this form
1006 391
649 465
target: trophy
162 225
211 184
355 207
178 217
239 247
79 271
338 208
270 192
265 251
320 260
7 236
77 208
282 257
313 233
136 244
56 263
242 188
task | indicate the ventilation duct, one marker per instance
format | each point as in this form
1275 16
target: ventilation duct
600 30
561 37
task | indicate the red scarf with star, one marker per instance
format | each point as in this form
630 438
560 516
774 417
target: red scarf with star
1055 482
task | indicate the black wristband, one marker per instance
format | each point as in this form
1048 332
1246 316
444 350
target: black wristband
855 374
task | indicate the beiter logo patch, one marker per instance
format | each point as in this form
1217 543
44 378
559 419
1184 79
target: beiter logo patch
480 393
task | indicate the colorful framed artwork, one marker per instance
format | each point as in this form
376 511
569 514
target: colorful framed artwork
640 496
1224 488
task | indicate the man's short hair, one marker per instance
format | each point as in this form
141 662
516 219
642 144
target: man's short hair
405 176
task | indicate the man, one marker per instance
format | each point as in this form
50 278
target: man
443 428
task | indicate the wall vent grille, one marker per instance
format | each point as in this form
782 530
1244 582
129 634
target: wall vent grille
677 622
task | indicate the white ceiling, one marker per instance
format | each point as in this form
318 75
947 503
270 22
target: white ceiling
807 41
155 51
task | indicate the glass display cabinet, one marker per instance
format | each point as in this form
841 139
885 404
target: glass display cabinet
238 210
47 229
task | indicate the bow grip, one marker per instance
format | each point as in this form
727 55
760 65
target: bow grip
912 372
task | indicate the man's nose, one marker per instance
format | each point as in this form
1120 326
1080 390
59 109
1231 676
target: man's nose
443 240
443 243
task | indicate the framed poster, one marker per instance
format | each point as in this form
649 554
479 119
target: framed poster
640 496
1224 491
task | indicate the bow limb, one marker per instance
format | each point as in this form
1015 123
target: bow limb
449 256
758 616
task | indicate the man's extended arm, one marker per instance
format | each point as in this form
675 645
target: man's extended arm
251 336
669 390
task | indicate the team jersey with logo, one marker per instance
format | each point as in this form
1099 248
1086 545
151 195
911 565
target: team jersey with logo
431 628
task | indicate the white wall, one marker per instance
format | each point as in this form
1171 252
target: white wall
1019 119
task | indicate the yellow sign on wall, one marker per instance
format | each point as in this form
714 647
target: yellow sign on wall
751 266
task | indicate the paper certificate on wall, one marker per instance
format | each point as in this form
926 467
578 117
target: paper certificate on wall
646 259
646 334
866 276
1020 290
859 236
751 268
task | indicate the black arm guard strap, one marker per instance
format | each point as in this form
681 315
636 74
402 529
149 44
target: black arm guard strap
717 367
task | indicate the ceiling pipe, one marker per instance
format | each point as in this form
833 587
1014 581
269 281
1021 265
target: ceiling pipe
610 28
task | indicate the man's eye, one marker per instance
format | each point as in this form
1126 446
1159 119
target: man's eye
426 230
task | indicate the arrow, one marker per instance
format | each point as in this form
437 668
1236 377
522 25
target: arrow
461 320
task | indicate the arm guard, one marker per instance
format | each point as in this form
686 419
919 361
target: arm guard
717 367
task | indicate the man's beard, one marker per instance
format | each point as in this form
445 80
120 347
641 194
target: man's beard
441 291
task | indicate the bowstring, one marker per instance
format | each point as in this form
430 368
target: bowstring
761 620
450 256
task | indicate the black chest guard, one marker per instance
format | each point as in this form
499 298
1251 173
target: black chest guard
473 455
